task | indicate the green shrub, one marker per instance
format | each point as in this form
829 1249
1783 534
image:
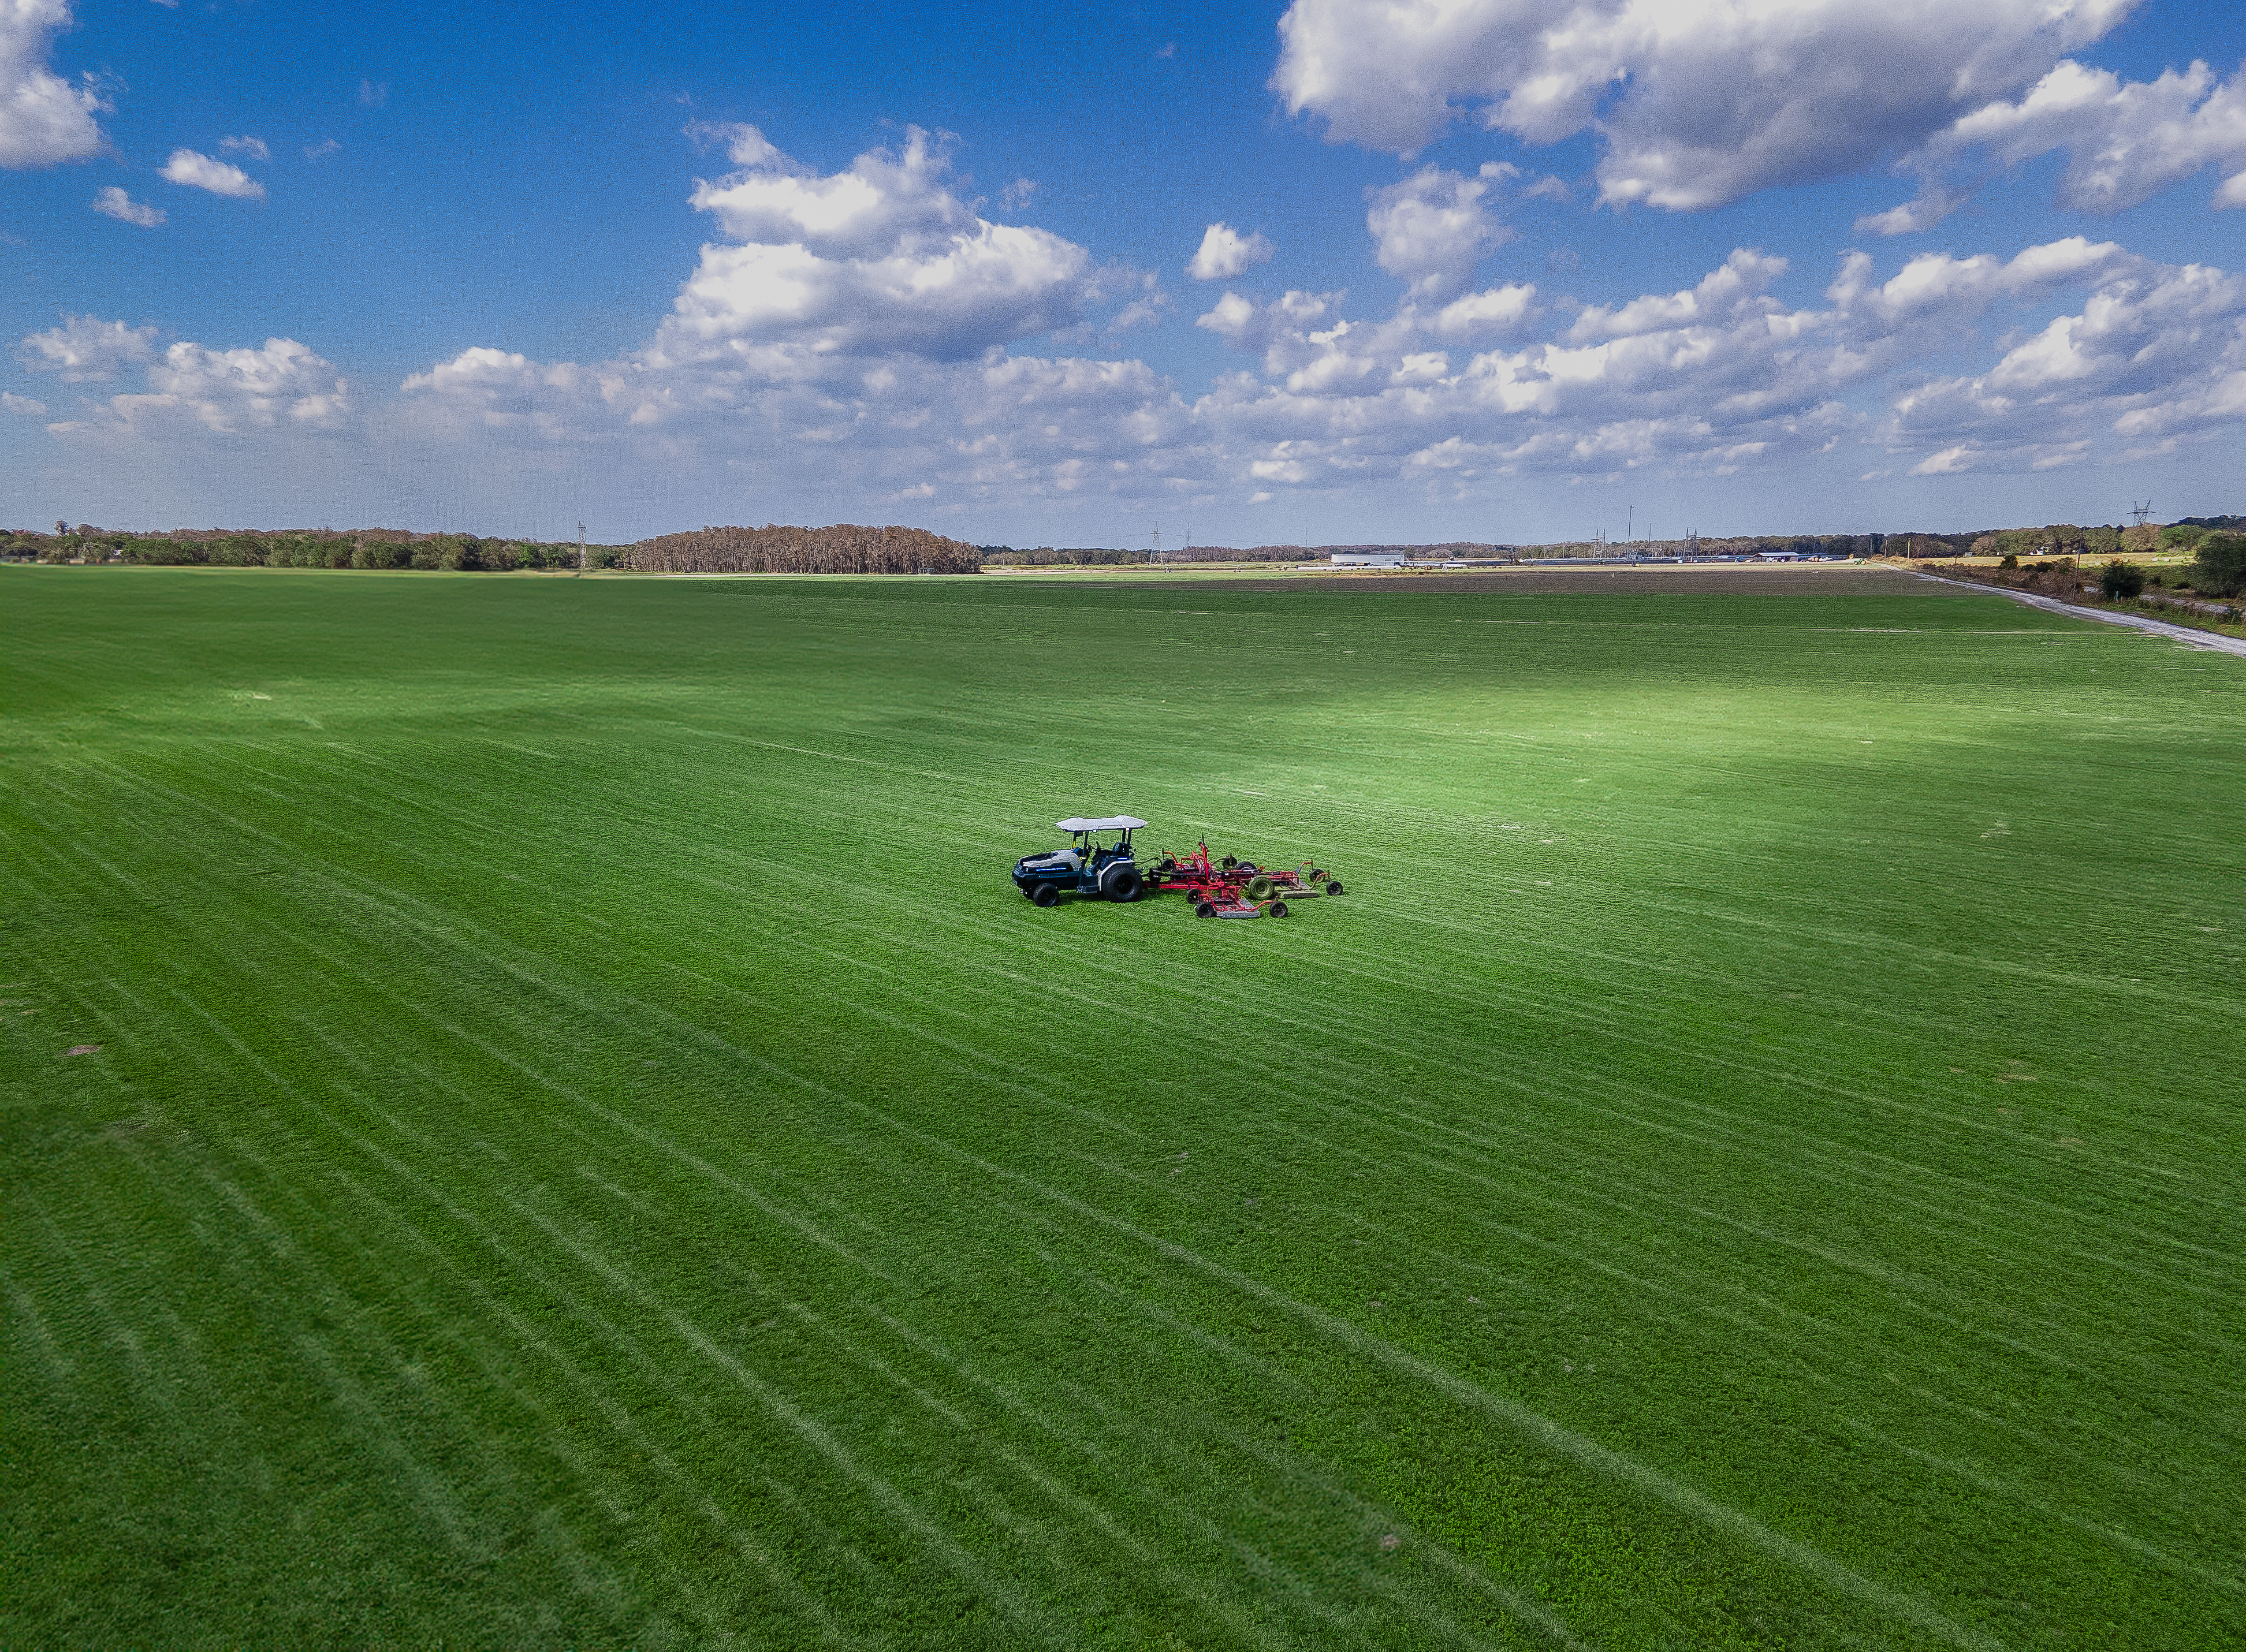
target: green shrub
2220 569
2010 560
2118 579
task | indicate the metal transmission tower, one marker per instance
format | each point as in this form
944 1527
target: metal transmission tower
2139 513
580 550
1158 541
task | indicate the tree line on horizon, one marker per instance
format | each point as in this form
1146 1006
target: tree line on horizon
370 548
844 548
851 549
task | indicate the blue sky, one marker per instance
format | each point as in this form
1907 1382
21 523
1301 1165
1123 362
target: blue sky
444 267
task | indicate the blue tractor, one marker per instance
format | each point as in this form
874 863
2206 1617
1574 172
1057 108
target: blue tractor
1087 867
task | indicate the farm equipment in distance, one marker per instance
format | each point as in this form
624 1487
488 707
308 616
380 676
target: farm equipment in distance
1218 888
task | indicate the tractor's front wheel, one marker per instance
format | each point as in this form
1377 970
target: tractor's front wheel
1046 895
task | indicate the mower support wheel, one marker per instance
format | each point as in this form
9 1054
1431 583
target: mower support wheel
1333 886
1204 909
1277 909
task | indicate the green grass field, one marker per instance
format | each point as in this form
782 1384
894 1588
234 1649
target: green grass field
586 1145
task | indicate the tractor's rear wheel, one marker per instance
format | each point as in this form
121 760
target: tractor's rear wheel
1333 886
1278 908
1124 884
1046 895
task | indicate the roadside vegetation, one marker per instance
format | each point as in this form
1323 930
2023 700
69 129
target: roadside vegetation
2193 577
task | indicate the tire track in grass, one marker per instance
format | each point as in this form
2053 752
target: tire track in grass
146 1387
1292 1468
1696 1282
1752 1323
269 1231
613 1411
371 1415
1561 1441
443 925
1608 1031
1086 1509
1026 1616
1997 1486
1526 1610
1622 1175
546 1226
1284 1079
1094 1002
1804 1368
29 1326
1273 1075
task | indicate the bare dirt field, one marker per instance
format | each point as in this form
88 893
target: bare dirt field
1727 579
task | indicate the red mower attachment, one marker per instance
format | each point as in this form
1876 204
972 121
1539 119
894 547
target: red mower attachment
1236 888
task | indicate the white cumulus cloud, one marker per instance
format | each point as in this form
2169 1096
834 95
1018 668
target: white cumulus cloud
2126 140
881 257
1434 227
194 393
11 402
1226 255
114 202
85 348
253 147
1695 103
44 121
199 170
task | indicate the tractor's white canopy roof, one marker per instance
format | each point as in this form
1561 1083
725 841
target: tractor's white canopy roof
1112 823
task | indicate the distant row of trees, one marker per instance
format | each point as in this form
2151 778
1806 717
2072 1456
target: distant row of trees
321 548
844 548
